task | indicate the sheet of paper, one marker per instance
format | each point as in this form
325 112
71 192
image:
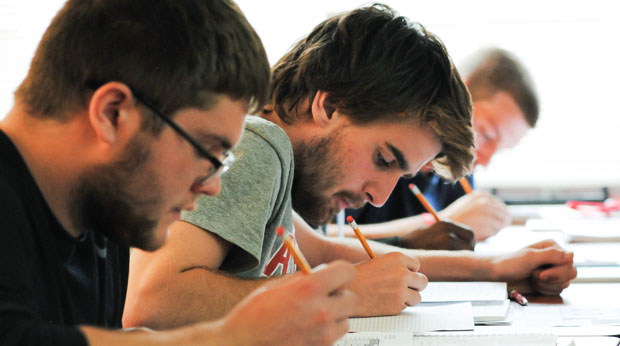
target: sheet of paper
594 254
494 312
464 291
375 339
471 339
598 274
581 230
420 318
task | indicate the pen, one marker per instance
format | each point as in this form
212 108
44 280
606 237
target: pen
465 184
299 258
360 236
518 297
423 200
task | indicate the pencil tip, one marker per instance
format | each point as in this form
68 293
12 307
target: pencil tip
280 230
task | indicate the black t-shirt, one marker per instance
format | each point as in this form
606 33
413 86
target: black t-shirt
51 282
403 203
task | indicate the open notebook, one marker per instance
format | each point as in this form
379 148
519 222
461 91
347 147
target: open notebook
420 318
463 339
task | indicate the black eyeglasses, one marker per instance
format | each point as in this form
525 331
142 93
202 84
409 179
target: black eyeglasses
219 165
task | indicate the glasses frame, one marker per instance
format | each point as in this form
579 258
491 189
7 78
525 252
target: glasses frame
220 166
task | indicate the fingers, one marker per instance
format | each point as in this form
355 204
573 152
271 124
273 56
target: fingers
416 283
551 256
342 304
459 243
332 276
555 274
412 263
461 236
544 244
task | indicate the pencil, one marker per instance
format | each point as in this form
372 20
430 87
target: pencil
423 200
465 184
360 236
299 258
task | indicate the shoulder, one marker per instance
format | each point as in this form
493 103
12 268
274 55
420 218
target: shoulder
270 133
264 140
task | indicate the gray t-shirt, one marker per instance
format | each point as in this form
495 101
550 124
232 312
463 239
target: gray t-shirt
254 200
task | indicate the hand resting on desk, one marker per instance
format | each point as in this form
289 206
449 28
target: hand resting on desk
443 235
543 268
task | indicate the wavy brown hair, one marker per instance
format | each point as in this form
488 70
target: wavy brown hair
378 66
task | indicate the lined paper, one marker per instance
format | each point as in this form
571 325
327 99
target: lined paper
421 318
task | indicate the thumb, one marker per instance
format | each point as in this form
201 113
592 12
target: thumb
551 256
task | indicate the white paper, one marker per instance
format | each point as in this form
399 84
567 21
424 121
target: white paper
485 340
375 339
420 318
598 274
491 312
464 291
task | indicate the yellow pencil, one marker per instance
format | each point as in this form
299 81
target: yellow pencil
423 200
299 258
360 236
465 184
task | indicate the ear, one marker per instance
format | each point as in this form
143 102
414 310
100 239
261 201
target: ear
109 109
322 111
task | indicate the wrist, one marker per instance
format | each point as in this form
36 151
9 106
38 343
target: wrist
428 219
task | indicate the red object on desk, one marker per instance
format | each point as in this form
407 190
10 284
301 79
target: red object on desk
606 207
517 297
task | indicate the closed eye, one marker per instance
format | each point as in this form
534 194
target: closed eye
380 161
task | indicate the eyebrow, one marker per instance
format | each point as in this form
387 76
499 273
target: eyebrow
221 141
403 164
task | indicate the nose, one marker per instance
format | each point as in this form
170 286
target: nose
485 152
379 190
211 187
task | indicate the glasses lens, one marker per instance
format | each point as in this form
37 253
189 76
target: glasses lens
227 160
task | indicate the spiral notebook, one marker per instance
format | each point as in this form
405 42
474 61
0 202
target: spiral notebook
438 339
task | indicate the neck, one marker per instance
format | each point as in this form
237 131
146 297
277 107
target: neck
49 149
299 131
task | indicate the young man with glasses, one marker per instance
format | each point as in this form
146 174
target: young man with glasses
365 98
126 116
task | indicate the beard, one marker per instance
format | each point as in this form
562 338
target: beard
115 199
316 173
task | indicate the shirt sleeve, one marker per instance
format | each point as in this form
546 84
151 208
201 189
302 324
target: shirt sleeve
250 193
19 322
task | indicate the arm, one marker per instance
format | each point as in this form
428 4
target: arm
184 268
384 229
522 268
543 267
300 310
483 213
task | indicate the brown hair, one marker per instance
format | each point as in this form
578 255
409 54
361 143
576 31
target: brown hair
491 70
181 53
378 66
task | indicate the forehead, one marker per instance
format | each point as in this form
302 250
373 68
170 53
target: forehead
502 113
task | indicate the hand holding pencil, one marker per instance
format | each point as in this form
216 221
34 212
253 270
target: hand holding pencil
360 236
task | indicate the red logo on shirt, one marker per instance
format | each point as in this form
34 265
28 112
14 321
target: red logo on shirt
281 262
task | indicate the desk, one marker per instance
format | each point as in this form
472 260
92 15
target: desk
579 297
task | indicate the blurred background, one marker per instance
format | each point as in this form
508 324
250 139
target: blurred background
571 48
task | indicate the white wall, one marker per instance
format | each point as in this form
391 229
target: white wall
571 47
